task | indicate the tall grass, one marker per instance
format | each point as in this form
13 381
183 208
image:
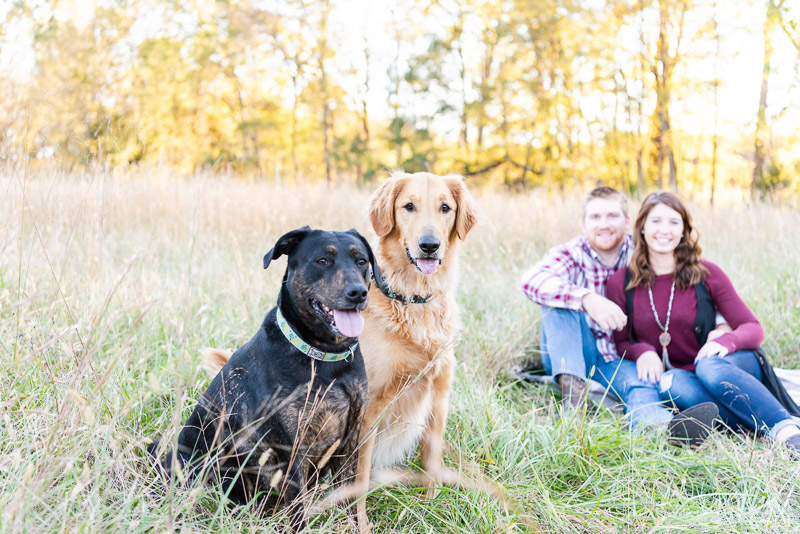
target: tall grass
110 286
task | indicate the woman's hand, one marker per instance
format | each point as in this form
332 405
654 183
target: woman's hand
711 348
718 331
649 367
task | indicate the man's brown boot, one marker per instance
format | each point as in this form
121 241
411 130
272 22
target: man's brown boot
573 391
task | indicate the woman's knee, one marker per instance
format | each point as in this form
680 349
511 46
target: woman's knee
712 369
665 385
678 385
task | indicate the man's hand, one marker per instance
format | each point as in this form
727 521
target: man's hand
604 312
649 367
711 348
718 331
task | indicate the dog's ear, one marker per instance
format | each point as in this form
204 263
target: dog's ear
467 214
376 272
286 244
381 205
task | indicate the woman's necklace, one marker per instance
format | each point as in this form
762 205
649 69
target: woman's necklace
664 338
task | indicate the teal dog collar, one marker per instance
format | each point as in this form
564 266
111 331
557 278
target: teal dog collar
305 348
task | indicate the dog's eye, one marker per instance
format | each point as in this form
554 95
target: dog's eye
445 208
409 206
323 261
362 262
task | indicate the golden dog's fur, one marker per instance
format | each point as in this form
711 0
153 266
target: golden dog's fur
408 348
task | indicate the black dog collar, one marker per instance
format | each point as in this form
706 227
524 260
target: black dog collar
405 299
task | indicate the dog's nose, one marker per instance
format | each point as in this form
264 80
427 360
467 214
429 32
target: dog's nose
356 293
428 244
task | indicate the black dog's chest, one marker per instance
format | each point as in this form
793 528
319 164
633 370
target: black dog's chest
282 399
320 414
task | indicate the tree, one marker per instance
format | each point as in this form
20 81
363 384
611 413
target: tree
716 83
771 21
671 15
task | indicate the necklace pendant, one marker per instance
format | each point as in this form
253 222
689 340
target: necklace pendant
664 338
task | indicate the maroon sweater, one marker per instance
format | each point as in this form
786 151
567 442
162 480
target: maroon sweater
747 333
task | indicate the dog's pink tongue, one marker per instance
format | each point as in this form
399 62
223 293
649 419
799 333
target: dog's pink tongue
427 266
348 322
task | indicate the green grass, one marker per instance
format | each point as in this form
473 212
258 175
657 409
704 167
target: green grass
111 285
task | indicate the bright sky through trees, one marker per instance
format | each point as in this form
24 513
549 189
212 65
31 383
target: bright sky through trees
637 93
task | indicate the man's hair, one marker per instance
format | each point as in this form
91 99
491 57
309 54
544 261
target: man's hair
608 193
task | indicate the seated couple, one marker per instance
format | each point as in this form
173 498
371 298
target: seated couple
687 340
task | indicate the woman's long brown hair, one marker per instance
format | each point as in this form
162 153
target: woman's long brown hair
688 269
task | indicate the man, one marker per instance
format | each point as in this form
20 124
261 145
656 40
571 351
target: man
569 283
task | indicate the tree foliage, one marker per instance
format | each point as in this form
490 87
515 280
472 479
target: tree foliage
527 93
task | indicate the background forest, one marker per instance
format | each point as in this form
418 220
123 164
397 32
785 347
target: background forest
701 96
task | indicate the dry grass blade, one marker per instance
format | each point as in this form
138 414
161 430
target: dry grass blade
71 455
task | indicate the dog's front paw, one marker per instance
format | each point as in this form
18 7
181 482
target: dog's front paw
362 523
432 481
362 528
433 491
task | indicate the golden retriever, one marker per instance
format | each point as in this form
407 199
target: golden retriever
420 220
409 334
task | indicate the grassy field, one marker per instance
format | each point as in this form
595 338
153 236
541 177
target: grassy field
110 287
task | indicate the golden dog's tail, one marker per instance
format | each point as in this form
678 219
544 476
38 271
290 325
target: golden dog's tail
380 478
214 360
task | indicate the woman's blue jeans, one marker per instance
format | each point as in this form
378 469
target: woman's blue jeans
569 347
733 383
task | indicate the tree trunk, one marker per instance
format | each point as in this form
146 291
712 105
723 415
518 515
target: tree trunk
326 134
639 171
398 149
715 139
673 169
463 75
660 70
294 122
364 135
759 156
484 88
663 73
504 129
242 129
326 112
640 137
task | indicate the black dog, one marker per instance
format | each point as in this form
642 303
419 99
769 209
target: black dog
287 408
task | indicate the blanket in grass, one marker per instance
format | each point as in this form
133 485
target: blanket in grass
789 377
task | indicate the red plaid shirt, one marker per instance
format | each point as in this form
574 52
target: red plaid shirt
567 273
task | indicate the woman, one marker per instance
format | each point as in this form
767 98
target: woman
671 296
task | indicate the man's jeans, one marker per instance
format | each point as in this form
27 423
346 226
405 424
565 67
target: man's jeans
733 383
569 347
